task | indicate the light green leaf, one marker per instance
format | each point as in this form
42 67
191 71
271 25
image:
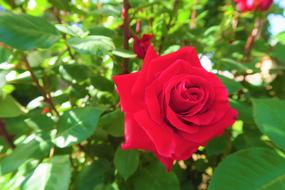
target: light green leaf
94 45
154 177
53 174
126 162
123 53
36 148
269 117
26 32
10 107
251 169
76 125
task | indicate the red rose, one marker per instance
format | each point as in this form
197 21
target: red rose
251 5
141 45
173 105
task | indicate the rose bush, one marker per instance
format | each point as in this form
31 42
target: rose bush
173 105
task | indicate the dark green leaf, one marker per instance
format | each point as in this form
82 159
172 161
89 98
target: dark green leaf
26 32
94 175
251 169
113 123
126 162
102 83
154 177
269 117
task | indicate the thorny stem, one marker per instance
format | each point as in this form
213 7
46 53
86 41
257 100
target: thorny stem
252 37
47 98
127 35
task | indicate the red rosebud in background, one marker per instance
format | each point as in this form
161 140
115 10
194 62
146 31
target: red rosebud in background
141 45
252 5
173 105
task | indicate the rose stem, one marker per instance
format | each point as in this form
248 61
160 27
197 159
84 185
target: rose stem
126 30
252 37
42 90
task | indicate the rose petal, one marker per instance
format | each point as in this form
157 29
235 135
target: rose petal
124 85
135 136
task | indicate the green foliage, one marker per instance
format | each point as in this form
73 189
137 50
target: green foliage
61 125
251 169
76 125
26 32
126 162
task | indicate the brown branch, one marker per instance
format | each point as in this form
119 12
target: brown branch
42 90
127 35
252 37
6 135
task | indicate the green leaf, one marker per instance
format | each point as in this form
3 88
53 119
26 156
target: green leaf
93 45
244 111
126 162
76 125
62 4
10 107
123 53
35 148
102 83
278 52
154 177
251 169
74 72
94 175
71 30
216 146
231 85
113 123
4 54
26 32
53 174
269 117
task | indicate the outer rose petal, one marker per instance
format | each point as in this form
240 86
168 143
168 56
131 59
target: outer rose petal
124 85
132 131
171 145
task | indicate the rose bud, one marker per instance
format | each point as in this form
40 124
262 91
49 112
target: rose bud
141 44
252 5
172 105
45 110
